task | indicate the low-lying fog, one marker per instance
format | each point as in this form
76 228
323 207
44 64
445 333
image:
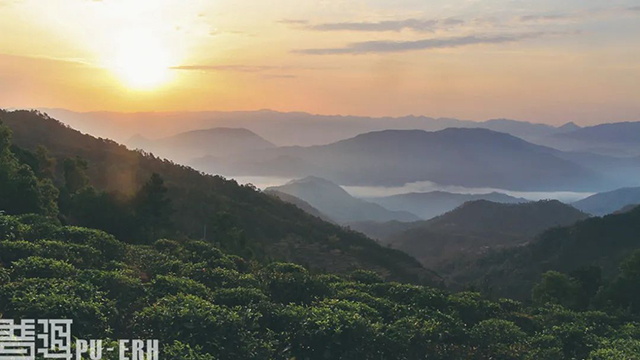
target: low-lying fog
263 182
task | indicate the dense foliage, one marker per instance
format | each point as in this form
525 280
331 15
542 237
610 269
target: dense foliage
603 242
104 185
204 304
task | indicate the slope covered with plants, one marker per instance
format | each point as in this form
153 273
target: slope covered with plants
140 198
600 242
204 304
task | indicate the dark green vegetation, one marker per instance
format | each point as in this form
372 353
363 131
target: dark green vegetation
203 304
449 241
602 242
104 185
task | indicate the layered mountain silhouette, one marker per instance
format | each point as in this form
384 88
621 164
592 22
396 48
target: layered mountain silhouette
430 204
218 142
619 139
609 202
333 200
272 228
283 128
303 205
477 227
463 157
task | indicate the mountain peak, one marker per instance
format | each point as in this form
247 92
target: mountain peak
570 126
331 199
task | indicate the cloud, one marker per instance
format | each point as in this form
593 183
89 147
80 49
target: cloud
580 15
266 72
420 25
551 17
368 47
234 68
279 76
245 68
293 22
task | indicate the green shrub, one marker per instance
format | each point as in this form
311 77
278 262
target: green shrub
40 298
365 277
164 285
238 297
38 267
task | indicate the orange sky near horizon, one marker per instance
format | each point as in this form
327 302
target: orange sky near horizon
473 59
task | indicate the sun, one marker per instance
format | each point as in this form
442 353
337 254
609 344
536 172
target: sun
141 61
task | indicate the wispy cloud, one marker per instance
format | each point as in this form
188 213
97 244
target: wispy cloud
279 76
293 22
244 68
234 68
266 72
548 17
419 25
581 14
405 46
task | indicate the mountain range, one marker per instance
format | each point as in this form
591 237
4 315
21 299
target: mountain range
329 198
609 202
217 142
475 228
617 139
282 128
430 204
304 129
474 158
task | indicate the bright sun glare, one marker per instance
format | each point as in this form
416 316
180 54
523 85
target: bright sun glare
141 61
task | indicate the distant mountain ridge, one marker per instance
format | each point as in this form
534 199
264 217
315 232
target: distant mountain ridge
338 204
283 128
476 227
609 202
617 139
454 156
218 142
430 204
303 205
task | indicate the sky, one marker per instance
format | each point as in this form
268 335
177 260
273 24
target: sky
535 60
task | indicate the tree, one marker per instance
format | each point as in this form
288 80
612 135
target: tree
556 288
46 164
624 290
75 174
20 190
153 209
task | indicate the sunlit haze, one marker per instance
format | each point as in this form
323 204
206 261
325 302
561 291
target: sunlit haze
541 61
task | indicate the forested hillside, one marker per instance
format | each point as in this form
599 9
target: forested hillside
104 185
471 230
431 204
601 242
